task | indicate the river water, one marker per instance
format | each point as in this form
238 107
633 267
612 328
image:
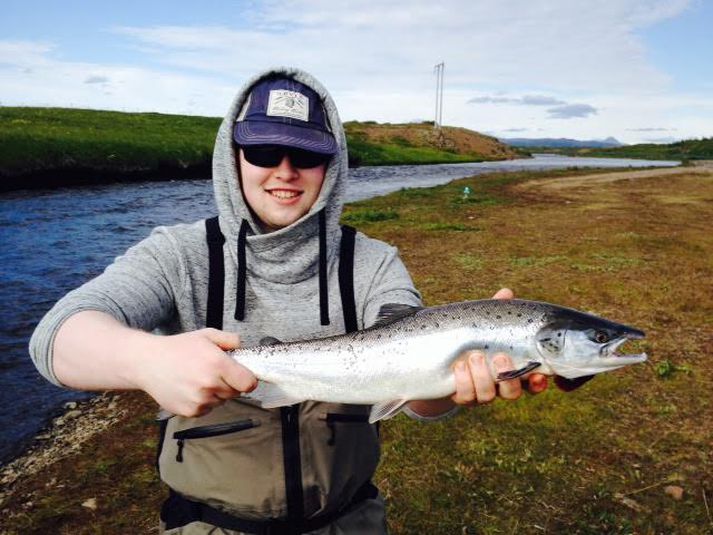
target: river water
53 240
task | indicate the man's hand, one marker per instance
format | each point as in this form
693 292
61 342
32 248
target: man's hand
189 374
475 383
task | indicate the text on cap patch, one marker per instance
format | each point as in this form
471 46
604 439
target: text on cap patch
285 103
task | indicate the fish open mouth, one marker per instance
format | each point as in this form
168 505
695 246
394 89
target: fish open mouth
611 349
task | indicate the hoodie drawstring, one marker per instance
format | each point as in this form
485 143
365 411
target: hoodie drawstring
242 271
323 296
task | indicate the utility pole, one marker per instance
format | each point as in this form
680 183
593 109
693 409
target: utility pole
438 69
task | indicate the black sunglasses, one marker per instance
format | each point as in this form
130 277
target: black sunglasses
272 155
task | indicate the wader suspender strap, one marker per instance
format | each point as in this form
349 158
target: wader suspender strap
216 274
346 278
178 511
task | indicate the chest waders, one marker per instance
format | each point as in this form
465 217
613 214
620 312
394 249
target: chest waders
178 510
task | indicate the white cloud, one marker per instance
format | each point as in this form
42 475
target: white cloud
377 59
570 45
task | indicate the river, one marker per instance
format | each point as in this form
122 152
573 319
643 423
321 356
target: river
53 240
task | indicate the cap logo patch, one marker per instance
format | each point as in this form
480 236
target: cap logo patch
285 103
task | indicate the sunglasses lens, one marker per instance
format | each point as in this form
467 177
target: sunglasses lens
272 155
264 156
304 159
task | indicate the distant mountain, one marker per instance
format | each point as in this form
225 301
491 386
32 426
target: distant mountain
558 143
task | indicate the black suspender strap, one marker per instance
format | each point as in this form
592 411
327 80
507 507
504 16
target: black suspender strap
323 295
346 278
216 274
242 273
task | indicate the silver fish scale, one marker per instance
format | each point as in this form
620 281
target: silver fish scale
410 358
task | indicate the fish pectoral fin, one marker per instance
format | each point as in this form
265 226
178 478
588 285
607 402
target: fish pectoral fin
567 385
513 374
270 395
386 410
391 312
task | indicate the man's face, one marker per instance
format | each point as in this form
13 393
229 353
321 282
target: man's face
280 195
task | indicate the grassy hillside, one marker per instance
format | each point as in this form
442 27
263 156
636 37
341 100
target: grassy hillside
371 143
690 149
57 146
54 141
597 460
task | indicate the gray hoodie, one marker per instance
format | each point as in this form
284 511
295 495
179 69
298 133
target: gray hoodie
161 283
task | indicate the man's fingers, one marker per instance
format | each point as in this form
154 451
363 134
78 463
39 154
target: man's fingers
465 391
238 377
511 389
536 383
482 379
223 339
504 293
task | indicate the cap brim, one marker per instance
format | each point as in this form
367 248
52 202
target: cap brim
269 133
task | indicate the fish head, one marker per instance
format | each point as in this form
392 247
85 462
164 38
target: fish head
576 344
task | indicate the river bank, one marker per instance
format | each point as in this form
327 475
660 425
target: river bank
593 461
54 147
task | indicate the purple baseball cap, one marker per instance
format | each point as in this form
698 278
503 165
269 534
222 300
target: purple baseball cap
283 111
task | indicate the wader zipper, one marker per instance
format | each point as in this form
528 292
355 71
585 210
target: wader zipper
215 430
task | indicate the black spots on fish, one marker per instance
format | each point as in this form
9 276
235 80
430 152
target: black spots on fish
519 314
437 325
474 325
378 336
423 326
498 317
530 320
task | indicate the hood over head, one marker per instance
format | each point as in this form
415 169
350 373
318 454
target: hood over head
231 204
290 254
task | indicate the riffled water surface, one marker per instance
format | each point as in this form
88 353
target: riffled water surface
53 240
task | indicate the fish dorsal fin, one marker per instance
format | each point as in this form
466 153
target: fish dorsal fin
269 341
386 410
391 312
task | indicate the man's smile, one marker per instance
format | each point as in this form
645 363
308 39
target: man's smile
284 194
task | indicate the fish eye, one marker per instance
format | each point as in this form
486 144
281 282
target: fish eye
601 337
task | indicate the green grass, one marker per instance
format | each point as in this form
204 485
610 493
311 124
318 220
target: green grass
690 149
356 217
362 152
41 139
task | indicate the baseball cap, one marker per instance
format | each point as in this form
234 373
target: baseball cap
283 111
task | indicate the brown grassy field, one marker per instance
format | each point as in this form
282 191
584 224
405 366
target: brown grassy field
597 460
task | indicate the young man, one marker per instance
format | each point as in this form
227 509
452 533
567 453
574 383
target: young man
274 263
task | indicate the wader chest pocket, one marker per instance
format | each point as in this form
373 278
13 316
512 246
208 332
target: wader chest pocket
332 419
207 431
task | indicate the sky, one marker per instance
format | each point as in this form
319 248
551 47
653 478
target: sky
636 70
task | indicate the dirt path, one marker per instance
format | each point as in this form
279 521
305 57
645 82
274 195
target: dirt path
703 168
